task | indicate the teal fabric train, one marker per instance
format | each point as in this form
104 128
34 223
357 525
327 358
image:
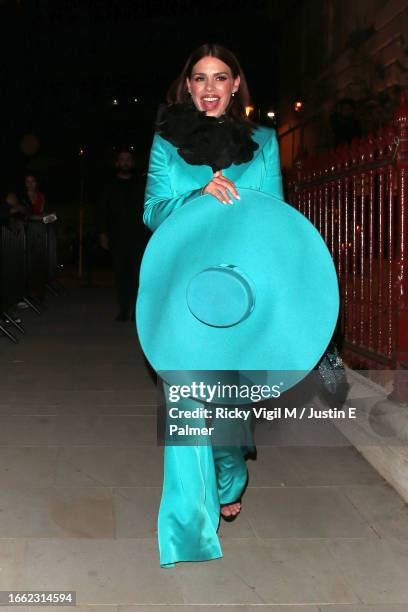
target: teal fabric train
250 286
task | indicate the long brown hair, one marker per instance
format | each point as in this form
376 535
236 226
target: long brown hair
178 92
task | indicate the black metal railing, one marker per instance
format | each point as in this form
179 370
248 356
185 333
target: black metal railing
28 267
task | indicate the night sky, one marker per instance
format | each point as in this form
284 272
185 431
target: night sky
66 60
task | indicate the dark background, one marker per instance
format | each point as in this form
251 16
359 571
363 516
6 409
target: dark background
67 60
64 62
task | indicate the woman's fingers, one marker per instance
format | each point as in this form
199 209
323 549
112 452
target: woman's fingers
227 186
222 180
220 193
222 188
234 191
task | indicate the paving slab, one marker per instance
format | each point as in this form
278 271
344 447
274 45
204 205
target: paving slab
110 466
285 571
102 571
90 608
12 558
376 569
27 466
219 608
106 395
77 430
304 512
363 608
382 508
332 466
117 409
44 512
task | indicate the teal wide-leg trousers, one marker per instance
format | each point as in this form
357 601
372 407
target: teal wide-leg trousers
198 479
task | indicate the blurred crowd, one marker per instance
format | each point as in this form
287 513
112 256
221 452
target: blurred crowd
114 233
28 260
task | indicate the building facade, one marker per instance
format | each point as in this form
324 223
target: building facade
344 63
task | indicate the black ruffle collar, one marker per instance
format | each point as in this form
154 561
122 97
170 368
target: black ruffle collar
201 140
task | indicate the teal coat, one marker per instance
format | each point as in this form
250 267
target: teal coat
172 182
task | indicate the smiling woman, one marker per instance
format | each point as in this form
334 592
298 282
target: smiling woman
213 78
212 85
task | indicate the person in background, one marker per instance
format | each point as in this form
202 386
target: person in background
32 198
121 231
11 207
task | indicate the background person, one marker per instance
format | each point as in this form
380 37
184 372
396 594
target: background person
121 230
32 198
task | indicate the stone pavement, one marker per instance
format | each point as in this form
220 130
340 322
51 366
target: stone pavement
80 485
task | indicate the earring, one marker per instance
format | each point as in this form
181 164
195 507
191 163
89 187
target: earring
233 94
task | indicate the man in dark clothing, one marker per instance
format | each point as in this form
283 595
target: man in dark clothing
121 230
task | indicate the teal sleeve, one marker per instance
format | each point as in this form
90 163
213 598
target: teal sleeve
160 200
272 180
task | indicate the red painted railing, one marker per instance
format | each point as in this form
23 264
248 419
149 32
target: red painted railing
357 197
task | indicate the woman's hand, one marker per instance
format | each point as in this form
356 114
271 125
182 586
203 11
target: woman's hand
220 187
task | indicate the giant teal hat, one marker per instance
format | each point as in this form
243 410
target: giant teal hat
248 286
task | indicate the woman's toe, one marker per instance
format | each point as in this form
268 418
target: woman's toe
231 509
